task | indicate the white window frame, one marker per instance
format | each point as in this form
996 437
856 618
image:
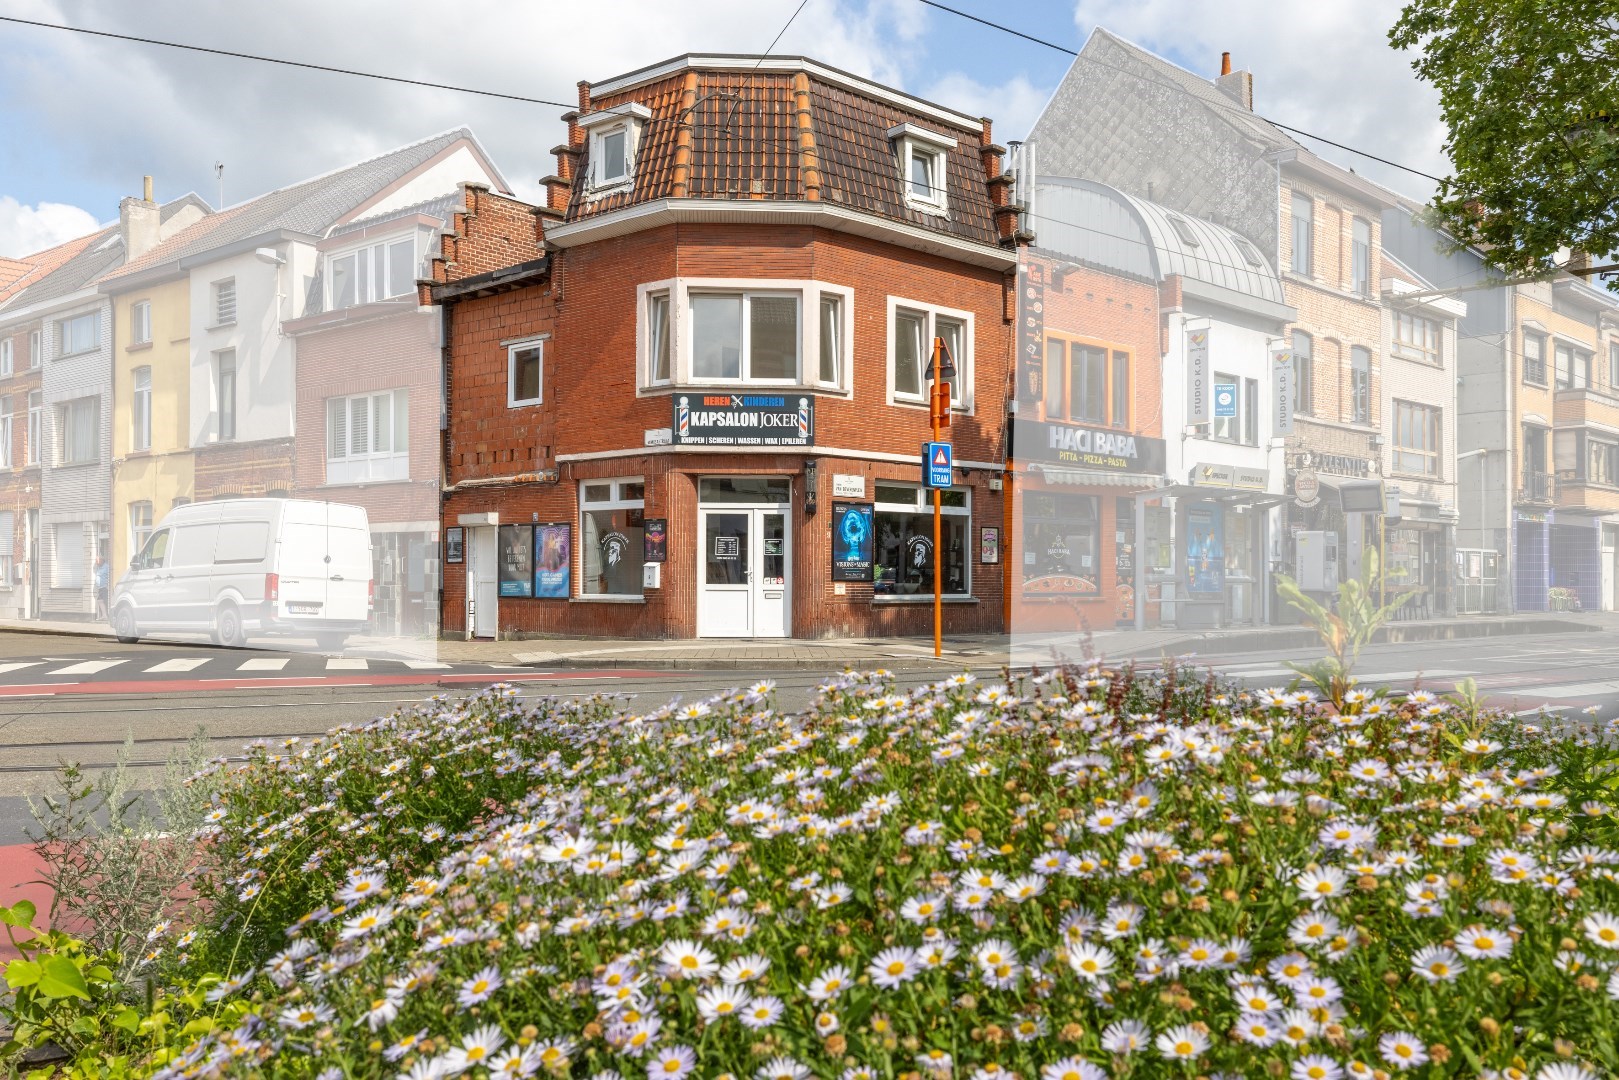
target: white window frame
628 119
219 396
1407 349
65 432
7 460
962 401
909 141
140 322
344 464
140 409
139 533
372 293
216 291
62 337
619 499
512 349
36 349
7 364
36 427
924 505
809 294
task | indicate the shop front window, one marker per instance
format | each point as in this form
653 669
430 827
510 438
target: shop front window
904 544
611 548
1062 539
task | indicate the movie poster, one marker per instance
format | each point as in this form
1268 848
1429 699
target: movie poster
1205 548
853 541
516 558
553 561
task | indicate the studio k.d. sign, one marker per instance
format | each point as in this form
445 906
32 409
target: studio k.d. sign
744 420
1197 376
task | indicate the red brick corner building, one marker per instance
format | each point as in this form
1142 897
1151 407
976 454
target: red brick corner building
687 396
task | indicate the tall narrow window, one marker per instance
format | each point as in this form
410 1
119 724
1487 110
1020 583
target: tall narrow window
1534 358
1303 224
1226 428
1613 366
658 337
225 388
615 158
224 302
7 460
1360 374
1250 412
1361 258
1119 390
78 426
5 358
140 436
140 323
36 426
1303 374
524 370
831 339
36 349
909 328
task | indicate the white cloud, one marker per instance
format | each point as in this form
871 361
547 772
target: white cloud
1325 67
27 229
1012 105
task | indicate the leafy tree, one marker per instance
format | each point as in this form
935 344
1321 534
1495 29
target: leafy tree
1530 92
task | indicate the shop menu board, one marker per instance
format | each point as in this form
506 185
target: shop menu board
655 539
1205 548
853 541
553 562
516 560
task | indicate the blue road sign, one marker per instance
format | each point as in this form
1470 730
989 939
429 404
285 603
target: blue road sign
936 464
1225 399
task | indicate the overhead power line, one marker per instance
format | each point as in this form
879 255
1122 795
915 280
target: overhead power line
286 63
1215 105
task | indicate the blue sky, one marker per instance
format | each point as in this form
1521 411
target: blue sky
85 118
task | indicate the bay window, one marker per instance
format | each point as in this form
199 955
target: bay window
611 536
730 332
367 437
911 329
904 541
371 273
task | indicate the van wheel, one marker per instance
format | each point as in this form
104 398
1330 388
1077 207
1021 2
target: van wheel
330 640
123 625
228 627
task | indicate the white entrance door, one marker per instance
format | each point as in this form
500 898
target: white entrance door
483 582
745 587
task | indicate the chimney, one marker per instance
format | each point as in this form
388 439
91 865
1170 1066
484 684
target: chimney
138 223
1236 85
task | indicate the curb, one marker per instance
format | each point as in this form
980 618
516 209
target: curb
1398 633
830 665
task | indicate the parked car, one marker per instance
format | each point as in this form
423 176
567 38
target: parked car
251 566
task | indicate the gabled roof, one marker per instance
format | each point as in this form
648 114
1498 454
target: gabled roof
439 207
18 274
747 143
308 208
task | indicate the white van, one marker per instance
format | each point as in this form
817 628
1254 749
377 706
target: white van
251 566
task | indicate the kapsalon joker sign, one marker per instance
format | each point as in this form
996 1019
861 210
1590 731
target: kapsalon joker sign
744 420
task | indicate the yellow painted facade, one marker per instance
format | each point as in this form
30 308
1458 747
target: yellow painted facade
163 472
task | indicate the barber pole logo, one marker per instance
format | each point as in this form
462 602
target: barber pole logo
683 418
803 418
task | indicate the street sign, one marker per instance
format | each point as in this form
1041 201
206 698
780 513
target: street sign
1225 399
936 464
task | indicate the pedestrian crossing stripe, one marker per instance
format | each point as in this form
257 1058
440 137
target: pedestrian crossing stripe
181 663
263 663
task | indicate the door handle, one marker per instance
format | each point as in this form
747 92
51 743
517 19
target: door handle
165 577
337 577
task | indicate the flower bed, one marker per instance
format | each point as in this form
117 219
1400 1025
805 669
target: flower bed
1082 874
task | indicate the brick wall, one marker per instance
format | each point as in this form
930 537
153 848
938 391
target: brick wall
244 470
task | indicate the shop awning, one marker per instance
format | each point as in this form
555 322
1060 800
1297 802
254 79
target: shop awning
1230 496
1072 477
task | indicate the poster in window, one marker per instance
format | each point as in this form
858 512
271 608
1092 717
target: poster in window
655 539
553 561
1061 538
516 558
1205 549
455 545
989 544
853 537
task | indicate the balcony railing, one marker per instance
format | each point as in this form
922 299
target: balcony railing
1538 487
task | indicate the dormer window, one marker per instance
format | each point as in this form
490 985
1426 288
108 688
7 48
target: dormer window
922 157
615 135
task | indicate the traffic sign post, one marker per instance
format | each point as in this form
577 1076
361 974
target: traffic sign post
937 468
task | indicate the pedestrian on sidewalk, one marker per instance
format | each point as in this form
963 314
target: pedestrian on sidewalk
102 575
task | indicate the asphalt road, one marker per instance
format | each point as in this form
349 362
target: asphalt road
69 699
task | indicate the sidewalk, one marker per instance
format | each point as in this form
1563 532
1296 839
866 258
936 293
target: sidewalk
981 651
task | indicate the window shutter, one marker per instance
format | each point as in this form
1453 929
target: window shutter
337 428
360 425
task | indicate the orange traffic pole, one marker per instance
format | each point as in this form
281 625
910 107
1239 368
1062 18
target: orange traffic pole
938 551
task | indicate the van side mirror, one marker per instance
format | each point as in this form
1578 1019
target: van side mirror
135 563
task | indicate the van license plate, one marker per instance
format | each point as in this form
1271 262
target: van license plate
304 609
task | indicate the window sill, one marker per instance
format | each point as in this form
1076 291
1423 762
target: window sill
602 599
76 355
221 325
920 598
922 403
924 206
333 484
525 404
601 191
823 389
138 346
76 464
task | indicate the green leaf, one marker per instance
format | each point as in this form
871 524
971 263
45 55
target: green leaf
128 1020
59 978
19 914
20 973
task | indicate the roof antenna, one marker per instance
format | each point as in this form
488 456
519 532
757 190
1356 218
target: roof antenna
219 174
